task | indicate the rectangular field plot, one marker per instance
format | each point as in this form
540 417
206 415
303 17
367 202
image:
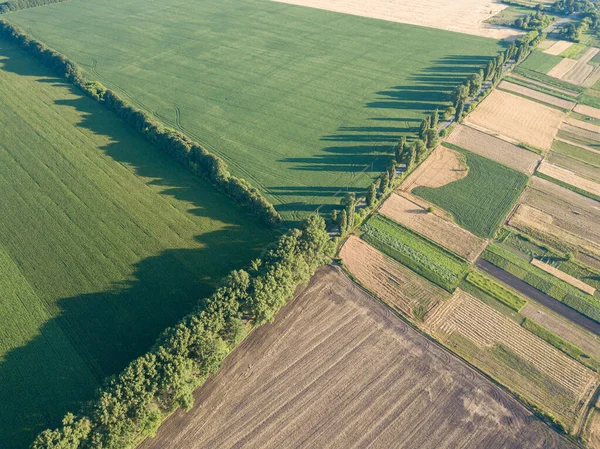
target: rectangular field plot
513 356
419 254
517 118
104 242
302 103
391 281
409 213
535 95
338 369
568 177
480 201
493 148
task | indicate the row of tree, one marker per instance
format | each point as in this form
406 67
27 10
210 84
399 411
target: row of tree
132 404
186 151
534 21
15 5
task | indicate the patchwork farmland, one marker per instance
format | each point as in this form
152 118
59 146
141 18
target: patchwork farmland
312 101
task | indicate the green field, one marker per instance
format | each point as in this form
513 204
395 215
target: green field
541 62
496 290
104 241
480 201
302 103
417 253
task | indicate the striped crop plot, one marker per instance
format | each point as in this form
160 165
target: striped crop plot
513 356
104 241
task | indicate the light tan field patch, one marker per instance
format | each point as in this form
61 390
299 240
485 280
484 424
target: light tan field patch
546 44
444 232
463 16
580 132
518 118
558 47
442 167
562 68
581 168
534 94
564 276
493 148
391 281
588 110
584 125
583 339
569 177
487 329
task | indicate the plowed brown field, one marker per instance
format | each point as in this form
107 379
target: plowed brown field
493 148
389 280
518 118
443 232
338 370
566 384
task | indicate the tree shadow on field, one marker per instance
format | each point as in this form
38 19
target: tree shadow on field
363 152
96 334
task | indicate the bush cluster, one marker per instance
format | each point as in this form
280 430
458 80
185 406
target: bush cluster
133 403
172 142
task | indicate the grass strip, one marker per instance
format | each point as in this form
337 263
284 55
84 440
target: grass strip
537 76
496 290
542 89
561 344
567 186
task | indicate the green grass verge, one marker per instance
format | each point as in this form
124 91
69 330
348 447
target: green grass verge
581 154
417 253
589 100
531 148
567 186
480 201
561 291
561 344
540 62
104 241
574 51
541 77
496 290
299 121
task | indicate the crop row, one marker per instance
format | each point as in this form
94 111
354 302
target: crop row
496 290
422 256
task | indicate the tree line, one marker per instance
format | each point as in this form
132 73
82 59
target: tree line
16 5
172 142
132 404
588 12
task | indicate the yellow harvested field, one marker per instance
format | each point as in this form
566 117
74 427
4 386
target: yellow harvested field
558 47
463 16
442 167
534 94
584 125
569 177
588 110
584 340
443 232
391 281
562 68
493 148
564 276
568 384
337 369
518 118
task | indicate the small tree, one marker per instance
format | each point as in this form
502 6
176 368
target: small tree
384 183
420 150
423 129
460 108
449 112
460 93
343 222
350 202
435 119
392 173
334 217
476 82
371 195
400 149
411 158
432 138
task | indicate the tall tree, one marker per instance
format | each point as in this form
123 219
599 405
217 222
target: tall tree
420 150
435 119
432 138
411 158
460 109
384 183
343 222
371 195
400 149
423 129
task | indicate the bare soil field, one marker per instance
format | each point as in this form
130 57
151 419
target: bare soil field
561 217
338 370
557 47
518 118
538 83
576 71
581 338
569 177
564 276
441 167
463 16
535 95
391 281
532 367
493 148
587 110
443 232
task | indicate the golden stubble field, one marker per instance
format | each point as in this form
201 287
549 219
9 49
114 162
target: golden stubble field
339 370
463 16
518 118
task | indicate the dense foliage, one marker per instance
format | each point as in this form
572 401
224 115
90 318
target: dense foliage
556 288
422 256
168 140
496 290
133 403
